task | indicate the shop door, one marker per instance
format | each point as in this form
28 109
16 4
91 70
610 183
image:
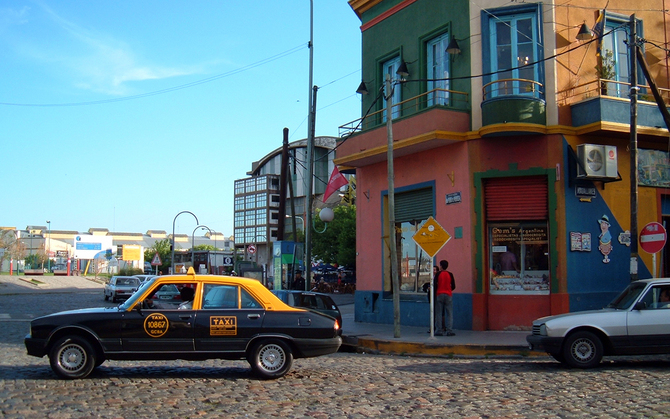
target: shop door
519 279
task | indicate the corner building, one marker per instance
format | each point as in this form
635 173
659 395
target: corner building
515 136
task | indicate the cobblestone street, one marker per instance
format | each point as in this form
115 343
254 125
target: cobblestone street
343 385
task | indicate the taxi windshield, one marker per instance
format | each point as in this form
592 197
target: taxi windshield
627 296
130 302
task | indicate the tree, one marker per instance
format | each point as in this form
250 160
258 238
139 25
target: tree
14 249
204 247
162 247
338 243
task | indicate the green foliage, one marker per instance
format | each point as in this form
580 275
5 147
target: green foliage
130 271
204 247
605 67
338 243
163 249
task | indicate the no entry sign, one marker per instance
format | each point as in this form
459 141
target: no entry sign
653 237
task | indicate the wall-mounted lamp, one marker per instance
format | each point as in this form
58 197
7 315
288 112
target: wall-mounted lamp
584 33
326 215
453 47
402 70
362 89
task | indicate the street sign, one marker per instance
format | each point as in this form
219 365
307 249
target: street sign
227 261
156 261
653 237
431 237
251 249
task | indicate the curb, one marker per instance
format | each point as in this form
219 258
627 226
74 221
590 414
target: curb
381 346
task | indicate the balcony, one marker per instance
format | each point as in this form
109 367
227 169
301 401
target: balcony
429 120
508 101
599 103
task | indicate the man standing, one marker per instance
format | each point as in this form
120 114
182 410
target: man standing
443 301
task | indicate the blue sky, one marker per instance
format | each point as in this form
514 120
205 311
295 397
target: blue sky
120 114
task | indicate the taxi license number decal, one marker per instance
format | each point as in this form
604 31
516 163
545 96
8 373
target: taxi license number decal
223 326
156 325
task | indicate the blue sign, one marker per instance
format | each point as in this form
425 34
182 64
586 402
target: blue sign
89 246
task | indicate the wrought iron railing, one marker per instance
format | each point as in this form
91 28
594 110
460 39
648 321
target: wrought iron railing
513 87
437 97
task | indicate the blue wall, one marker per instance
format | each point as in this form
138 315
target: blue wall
591 283
372 307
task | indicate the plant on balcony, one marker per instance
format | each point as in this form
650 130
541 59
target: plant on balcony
605 70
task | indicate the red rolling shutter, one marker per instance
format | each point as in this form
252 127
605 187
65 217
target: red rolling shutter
516 198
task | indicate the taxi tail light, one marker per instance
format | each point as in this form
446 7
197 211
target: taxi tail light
337 325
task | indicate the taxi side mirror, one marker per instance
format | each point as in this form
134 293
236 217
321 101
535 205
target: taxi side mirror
640 305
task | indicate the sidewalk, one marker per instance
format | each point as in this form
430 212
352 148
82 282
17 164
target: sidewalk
358 337
380 338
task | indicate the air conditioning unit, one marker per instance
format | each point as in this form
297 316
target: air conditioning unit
596 161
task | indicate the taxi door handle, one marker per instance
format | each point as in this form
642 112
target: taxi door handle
253 316
185 316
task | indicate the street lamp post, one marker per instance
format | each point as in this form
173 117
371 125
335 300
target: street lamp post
49 251
173 222
391 209
193 245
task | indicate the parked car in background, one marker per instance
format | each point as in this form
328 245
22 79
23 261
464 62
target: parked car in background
148 269
120 287
227 318
144 278
637 322
316 301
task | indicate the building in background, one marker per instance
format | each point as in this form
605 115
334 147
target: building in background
257 198
511 127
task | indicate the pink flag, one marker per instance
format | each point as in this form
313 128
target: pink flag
337 180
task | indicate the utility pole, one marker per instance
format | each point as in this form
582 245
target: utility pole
310 154
632 52
391 209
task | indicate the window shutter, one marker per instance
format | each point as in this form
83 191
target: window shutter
414 205
522 198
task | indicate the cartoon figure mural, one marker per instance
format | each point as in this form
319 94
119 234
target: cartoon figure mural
605 238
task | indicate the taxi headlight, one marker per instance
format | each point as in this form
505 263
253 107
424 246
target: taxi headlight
543 329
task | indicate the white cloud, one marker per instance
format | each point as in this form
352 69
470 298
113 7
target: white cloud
97 61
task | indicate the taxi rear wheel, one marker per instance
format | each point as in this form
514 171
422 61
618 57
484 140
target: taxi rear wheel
271 358
72 357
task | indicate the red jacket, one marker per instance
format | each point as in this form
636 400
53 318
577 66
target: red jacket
443 283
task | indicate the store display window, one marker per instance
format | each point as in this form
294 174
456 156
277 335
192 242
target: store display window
519 258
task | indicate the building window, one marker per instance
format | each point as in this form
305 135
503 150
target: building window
250 185
239 219
613 61
239 203
519 258
415 267
390 67
514 42
250 202
250 218
239 187
261 216
438 68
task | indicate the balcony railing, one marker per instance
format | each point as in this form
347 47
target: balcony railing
437 97
516 87
608 88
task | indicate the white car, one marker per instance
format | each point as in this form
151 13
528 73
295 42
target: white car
637 322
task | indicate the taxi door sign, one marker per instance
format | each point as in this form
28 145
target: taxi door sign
156 325
431 237
223 326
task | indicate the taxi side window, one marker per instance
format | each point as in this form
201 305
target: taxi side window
248 301
657 297
219 296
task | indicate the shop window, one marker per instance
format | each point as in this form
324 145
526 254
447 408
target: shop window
519 258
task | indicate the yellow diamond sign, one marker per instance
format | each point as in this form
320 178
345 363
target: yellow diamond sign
431 237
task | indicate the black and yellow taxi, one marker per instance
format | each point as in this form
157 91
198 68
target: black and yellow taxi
216 317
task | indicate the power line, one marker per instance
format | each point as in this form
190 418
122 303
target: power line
169 89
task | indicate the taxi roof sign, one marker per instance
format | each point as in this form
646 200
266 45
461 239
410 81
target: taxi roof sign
431 237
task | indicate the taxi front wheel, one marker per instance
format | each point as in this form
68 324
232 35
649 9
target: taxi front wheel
72 357
270 358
